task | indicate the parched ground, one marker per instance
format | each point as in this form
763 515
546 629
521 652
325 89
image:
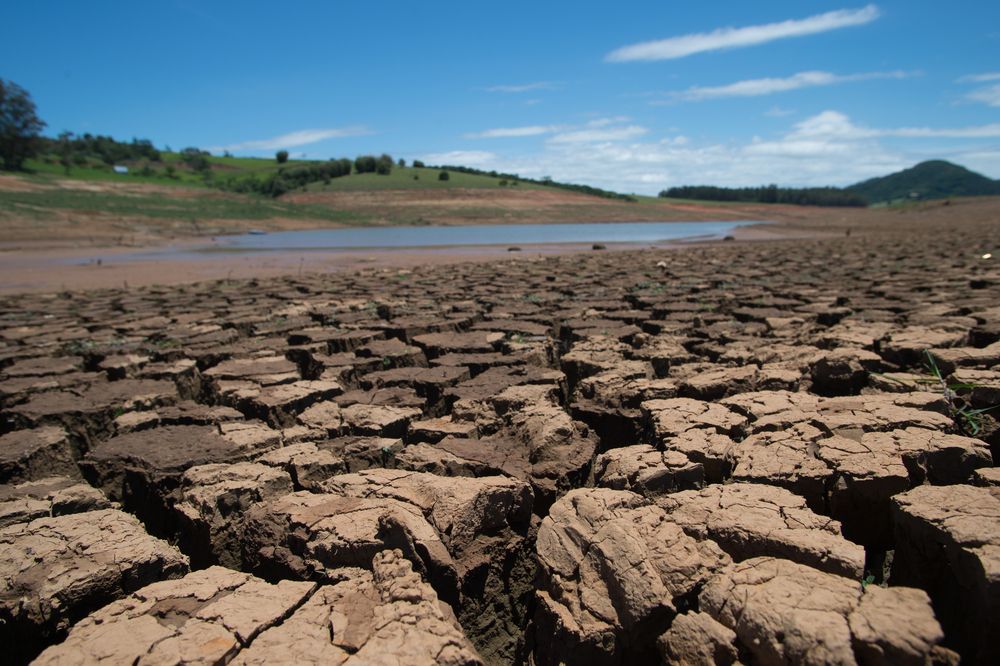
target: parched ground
771 452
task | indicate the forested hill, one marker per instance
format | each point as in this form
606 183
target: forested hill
935 179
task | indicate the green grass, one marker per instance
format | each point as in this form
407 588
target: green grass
402 178
37 205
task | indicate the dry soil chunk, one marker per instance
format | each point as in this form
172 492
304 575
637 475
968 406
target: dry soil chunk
695 639
751 520
211 505
53 496
948 543
647 471
386 616
26 455
613 568
378 420
309 535
783 612
460 509
56 570
207 617
674 416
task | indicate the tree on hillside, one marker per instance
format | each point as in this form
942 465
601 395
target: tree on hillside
19 125
281 156
417 164
444 175
383 166
365 164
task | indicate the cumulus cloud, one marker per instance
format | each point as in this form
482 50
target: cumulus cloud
729 38
770 86
828 148
523 87
513 132
296 139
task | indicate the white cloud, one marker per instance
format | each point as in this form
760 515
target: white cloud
980 78
778 112
295 139
472 158
523 87
597 134
769 86
828 148
728 38
833 124
987 95
514 132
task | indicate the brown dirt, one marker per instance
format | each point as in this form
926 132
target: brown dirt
589 457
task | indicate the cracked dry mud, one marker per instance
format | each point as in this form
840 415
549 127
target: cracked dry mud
726 454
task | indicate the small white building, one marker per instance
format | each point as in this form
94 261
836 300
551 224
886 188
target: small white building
121 169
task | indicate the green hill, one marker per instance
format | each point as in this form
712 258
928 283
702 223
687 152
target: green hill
935 179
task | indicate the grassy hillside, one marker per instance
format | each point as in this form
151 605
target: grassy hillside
935 179
410 178
171 169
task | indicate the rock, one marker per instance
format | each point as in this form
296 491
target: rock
784 612
212 502
56 570
614 570
948 543
209 616
28 455
644 470
750 520
53 496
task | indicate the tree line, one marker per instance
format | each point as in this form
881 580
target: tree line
513 178
803 196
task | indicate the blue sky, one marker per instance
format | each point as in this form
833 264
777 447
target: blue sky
633 96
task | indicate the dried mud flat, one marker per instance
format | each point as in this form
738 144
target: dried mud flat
731 453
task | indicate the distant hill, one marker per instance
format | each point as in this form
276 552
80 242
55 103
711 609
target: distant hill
935 179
